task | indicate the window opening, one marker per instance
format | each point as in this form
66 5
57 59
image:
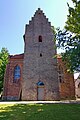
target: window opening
60 79
39 13
16 73
40 55
40 83
40 38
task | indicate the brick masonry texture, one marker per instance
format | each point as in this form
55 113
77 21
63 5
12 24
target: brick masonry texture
12 90
37 64
67 86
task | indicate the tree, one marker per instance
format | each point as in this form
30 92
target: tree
69 38
3 61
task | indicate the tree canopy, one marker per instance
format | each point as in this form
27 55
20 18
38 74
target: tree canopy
3 61
69 38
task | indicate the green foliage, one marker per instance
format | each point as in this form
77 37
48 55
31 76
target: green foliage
3 61
73 19
69 38
40 112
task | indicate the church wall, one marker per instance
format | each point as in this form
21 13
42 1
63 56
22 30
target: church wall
66 84
77 87
12 89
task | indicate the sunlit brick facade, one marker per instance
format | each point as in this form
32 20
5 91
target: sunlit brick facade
36 74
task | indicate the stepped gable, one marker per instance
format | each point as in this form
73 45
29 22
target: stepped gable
40 17
40 12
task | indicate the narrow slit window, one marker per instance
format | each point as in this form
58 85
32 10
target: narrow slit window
40 38
60 79
40 55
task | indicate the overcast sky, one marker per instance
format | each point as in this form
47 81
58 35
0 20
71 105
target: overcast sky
14 14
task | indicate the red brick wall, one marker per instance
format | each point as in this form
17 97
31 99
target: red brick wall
12 90
67 87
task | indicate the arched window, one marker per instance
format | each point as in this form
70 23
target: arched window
40 83
40 38
16 73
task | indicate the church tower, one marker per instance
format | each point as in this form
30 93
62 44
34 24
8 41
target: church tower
40 76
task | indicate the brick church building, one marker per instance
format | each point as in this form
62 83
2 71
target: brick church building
36 74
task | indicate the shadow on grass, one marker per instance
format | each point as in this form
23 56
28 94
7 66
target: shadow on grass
40 112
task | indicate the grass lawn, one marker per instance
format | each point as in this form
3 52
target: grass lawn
40 112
